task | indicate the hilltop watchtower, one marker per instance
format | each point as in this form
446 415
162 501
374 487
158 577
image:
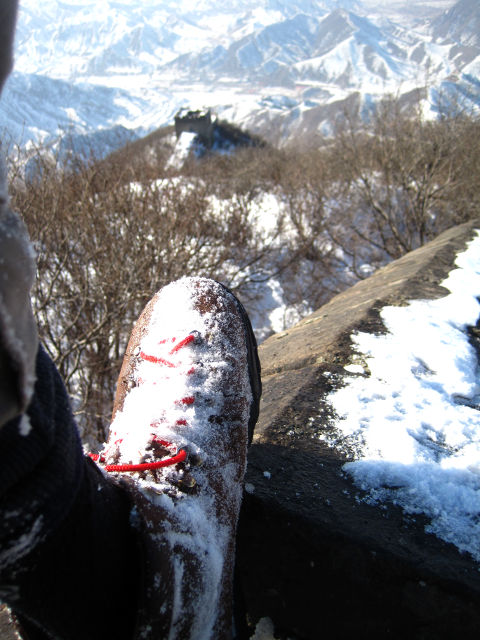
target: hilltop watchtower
199 122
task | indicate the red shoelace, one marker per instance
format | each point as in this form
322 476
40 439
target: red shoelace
181 455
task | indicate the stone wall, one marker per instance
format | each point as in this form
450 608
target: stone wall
199 122
313 558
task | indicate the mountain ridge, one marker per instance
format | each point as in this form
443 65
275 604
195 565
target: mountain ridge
252 62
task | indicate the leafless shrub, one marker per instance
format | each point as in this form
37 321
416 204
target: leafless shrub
401 178
378 190
104 246
109 234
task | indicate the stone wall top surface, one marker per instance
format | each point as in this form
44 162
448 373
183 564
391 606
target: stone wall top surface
378 562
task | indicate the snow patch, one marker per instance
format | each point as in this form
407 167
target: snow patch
414 421
183 148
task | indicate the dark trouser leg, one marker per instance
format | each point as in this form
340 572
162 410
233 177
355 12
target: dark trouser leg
69 557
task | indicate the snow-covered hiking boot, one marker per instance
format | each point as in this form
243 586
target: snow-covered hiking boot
187 401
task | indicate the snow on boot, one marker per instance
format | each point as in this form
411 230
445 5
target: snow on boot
187 401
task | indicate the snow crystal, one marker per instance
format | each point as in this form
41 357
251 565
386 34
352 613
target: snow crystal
414 422
249 487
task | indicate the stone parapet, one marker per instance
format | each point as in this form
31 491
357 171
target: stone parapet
312 556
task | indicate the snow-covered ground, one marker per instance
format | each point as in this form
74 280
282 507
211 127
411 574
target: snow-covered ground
182 149
411 409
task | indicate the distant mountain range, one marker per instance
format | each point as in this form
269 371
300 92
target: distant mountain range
282 68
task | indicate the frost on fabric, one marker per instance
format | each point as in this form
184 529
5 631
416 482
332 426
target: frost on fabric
23 544
24 425
203 372
413 417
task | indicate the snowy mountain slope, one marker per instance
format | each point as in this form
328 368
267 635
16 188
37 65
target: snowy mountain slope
286 63
365 53
342 49
460 24
64 39
65 107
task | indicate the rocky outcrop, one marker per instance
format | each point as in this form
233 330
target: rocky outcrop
312 556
